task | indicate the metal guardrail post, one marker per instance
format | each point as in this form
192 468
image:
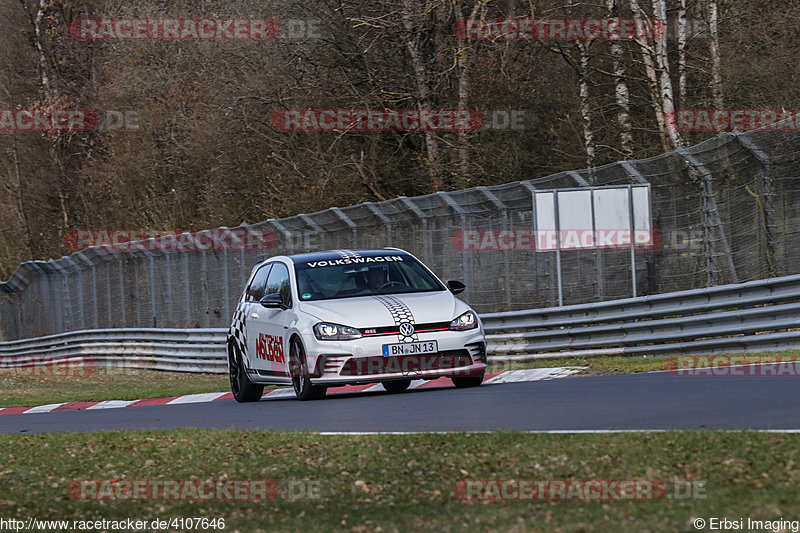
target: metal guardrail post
187 289
225 310
286 235
632 172
534 256
167 258
711 208
633 239
558 250
499 205
599 256
57 294
462 217
766 201
387 224
316 227
71 265
204 287
427 250
353 228
122 305
578 179
151 273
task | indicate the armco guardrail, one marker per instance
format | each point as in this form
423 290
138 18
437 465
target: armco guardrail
760 315
183 350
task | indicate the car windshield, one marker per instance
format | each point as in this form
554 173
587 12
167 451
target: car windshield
362 276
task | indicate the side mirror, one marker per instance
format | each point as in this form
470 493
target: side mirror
273 301
455 286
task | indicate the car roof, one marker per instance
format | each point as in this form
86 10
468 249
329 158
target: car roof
345 254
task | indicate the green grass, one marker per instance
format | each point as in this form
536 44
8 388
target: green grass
104 384
596 365
599 366
405 482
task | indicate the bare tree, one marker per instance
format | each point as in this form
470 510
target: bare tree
656 61
38 35
621 93
586 111
682 41
716 61
413 44
463 57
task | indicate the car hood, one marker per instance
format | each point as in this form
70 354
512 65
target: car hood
369 311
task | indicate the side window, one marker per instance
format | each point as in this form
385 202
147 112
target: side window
256 290
278 281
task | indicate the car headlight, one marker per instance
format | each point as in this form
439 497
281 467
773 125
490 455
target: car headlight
466 321
325 331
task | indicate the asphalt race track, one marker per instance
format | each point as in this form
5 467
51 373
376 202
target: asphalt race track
651 401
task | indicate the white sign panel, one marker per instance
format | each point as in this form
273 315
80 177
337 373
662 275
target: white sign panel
600 218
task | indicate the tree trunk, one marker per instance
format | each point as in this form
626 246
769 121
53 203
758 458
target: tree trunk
621 92
423 90
37 40
682 40
586 116
657 70
665 81
716 63
20 198
463 61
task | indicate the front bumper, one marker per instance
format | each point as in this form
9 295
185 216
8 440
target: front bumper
461 354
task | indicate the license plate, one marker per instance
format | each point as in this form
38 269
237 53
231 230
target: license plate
410 348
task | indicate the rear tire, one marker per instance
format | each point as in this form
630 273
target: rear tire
466 382
303 388
396 386
242 388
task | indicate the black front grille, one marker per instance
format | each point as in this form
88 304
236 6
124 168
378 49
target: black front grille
365 366
394 330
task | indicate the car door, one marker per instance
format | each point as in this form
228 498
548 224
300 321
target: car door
271 323
252 311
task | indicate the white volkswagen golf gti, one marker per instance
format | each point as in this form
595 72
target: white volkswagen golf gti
346 317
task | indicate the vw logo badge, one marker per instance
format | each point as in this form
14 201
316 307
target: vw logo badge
406 329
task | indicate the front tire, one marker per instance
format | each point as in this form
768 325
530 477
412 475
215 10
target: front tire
242 388
303 388
396 386
466 382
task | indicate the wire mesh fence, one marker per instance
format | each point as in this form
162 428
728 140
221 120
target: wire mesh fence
726 211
